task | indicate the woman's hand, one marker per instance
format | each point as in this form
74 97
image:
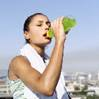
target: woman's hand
58 29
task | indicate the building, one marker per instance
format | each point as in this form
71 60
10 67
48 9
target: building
4 90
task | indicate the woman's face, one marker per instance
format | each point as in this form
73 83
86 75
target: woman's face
37 30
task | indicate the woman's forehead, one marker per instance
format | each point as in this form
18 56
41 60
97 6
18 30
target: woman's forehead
40 18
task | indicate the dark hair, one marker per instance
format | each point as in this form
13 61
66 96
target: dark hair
28 21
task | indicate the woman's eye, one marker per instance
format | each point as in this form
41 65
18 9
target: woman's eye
48 23
39 24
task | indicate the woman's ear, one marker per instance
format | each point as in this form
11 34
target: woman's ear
27 35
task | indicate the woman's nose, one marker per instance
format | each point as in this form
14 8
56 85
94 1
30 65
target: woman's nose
46 27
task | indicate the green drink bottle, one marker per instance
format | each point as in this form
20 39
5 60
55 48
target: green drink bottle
67 22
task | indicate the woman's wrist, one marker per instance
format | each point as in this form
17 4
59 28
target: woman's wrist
59 42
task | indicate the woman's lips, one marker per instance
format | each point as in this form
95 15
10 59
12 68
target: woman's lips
45 35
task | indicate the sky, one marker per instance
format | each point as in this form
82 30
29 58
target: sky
82 44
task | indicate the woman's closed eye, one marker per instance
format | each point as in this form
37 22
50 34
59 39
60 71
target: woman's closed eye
48 23
39 25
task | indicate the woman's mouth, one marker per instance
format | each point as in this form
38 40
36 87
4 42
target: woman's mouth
45 35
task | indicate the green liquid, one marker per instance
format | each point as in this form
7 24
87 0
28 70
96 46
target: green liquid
67 22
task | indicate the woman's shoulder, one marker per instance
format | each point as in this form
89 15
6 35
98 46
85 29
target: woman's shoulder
17 61
17 58
17 65
12 67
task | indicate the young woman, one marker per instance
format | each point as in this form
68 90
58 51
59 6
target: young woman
32 75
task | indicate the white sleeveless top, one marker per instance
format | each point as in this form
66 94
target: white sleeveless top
20 91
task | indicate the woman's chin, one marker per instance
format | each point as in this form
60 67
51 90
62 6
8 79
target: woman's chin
49 41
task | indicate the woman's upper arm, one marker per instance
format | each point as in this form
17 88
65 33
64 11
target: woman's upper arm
31 77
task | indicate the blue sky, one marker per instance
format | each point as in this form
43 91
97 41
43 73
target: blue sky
85 36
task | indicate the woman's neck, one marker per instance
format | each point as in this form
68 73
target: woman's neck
40 50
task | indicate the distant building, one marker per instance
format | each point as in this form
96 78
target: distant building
4 89
89 76
98 75
96 89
